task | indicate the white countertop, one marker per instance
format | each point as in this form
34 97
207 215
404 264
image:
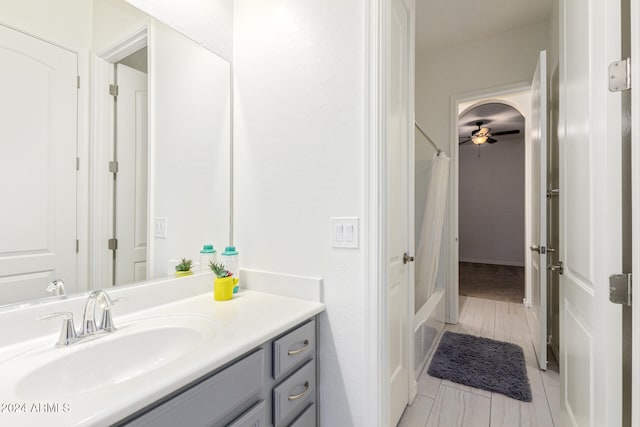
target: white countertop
242 324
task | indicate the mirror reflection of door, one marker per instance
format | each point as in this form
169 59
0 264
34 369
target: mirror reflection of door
130 182
38 149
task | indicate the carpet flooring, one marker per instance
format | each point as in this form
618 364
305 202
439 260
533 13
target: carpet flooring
494 282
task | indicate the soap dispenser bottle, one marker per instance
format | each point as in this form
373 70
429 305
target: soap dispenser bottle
230 259
208 255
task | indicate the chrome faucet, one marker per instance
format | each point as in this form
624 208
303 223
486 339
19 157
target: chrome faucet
89 329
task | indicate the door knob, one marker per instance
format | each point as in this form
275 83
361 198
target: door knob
540 249
406 258
559 268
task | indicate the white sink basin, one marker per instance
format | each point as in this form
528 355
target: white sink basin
135 349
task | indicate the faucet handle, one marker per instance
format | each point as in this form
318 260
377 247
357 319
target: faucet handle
68 331
56 287
107 321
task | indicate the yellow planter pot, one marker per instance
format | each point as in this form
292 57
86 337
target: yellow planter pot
223 288
183 273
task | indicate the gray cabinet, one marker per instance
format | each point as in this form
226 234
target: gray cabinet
212 400
294 394
273 385
293 349
254 417
307 418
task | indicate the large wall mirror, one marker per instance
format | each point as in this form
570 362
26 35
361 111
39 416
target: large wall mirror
114 147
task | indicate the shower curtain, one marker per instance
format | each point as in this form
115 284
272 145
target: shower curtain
428 254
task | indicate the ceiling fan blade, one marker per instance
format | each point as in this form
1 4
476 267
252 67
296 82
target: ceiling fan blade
506 132
491 140
464 142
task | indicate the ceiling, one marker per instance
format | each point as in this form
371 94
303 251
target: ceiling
441 23
496 116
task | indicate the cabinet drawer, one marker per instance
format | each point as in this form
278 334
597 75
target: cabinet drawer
293 349
307 419
294 393
213 399
254 417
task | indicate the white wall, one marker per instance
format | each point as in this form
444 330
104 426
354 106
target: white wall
299 150
492 199
209 22
63 22
498 60
553 48
114 20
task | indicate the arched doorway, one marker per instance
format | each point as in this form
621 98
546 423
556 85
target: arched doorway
492 202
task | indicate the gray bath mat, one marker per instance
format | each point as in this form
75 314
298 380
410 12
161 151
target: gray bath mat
482 363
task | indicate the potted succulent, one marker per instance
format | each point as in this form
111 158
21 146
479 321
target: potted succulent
223 283
184 268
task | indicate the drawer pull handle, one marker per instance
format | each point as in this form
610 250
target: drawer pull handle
298 396
300 350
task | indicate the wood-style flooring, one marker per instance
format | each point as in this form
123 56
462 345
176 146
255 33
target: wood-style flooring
442 403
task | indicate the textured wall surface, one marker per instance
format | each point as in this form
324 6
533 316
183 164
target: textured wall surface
299 149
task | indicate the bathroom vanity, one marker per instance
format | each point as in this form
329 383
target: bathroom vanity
177 357
274 384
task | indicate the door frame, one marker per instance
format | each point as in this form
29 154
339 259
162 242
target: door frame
451 226
635 209
102 149
373 206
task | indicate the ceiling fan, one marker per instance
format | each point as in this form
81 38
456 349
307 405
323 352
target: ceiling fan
483 135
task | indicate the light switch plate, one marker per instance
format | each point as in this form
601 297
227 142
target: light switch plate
160 228
344 232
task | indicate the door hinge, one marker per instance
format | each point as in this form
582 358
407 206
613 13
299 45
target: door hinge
620 289
77 163
620 75
77 246
78 81
553 193
113 90
113 166
113 244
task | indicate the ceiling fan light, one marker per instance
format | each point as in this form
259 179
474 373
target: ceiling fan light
478 140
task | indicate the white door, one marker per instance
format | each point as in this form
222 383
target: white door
537 316
131 182
38 127
398 127
590 214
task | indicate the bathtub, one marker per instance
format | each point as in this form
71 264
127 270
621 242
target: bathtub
427 325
